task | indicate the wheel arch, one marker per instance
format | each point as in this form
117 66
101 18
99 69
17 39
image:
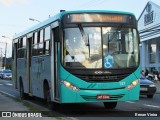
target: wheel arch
45 84
20 81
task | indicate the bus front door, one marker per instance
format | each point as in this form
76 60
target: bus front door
56 59
56 73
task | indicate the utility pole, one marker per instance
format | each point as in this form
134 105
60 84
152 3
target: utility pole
1 58
4 65
5 54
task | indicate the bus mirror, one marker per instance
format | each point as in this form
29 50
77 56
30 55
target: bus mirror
56 34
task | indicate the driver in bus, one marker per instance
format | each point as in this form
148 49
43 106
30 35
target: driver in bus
68 57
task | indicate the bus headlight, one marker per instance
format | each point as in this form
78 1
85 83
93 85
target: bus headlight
133 84
70 86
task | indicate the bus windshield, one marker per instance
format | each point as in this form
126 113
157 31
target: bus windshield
107 47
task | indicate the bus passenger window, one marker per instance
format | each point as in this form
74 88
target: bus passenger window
35 38
47 34
41 36
21 53
47 37
47 47
20 42
40 49
38 37
34 50
24 42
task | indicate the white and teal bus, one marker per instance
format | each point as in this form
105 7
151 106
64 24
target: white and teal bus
78 57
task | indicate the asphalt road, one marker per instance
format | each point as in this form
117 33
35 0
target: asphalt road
96 110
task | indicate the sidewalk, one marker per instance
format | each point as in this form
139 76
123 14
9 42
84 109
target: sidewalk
8 104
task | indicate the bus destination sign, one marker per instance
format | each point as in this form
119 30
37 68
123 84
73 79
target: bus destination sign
76 18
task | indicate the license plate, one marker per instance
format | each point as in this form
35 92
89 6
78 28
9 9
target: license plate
143 89
103 97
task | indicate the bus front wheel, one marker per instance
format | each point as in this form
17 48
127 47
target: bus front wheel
110 105
47 96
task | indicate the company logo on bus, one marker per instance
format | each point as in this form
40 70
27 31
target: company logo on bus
102 72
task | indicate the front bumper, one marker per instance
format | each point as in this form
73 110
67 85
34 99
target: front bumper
69 96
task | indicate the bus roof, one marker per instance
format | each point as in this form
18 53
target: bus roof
59 16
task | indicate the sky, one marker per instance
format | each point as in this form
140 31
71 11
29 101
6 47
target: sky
15 14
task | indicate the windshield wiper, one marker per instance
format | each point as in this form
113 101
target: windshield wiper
115 33
85 37
88 46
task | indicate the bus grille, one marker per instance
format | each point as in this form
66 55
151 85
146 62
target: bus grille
101 78
93 98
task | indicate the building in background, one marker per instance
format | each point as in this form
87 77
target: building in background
149 28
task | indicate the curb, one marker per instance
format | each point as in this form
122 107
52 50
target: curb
23 101
9 95
45 111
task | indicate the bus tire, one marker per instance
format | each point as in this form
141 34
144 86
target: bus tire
23 96
47 96
110 105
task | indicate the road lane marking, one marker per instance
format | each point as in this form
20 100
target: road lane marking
72 118
152 106
9 84
130 102
7 94
5 81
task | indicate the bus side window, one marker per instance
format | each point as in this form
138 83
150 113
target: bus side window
24 41
34 46
38 43
47 34
21 47
38 36
34 50
47 37
20 42
47 47
35 38
41 36
40 49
